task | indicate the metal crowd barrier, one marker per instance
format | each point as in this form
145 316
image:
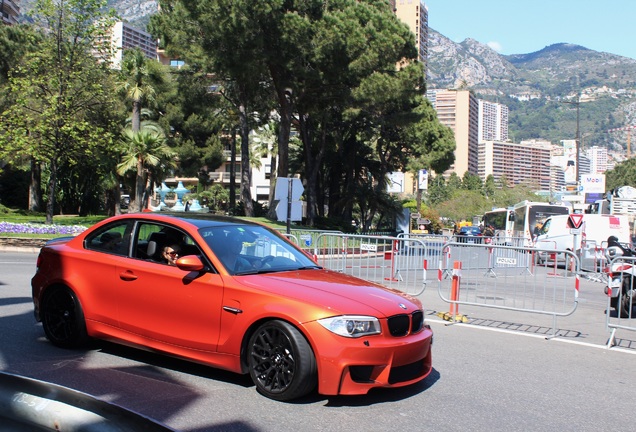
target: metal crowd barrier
593 260
395 262
434 245
615 318
506 277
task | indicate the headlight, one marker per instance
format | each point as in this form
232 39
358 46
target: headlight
351 325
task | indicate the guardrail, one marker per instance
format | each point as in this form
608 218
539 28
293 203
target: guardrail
35 405
507 277
621 297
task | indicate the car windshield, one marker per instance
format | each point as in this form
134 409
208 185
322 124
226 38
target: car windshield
251 249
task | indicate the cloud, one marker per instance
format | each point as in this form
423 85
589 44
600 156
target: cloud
495 46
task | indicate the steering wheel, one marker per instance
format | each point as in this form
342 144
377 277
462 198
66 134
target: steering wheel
267 259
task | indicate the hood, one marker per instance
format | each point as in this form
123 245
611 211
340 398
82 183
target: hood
340 293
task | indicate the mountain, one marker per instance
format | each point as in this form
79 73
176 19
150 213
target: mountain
534 86
136 12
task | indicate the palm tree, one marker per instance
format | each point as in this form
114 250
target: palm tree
146 152
137 80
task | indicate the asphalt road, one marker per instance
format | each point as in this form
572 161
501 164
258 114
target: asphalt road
498 373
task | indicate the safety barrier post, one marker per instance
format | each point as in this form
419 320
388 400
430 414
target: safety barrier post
395 273
454 307
453 313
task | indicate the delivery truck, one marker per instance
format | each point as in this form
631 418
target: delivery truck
588 240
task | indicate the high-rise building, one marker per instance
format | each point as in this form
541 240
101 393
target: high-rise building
525 163
124 36
459 110
10 11
414 13
598 159
493 121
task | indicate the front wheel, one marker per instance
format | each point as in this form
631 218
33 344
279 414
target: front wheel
281 362
624 308
63 318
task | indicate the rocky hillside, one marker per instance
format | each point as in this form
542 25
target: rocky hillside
536 85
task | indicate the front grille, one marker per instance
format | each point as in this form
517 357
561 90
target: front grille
404 324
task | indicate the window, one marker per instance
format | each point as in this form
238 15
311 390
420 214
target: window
113 239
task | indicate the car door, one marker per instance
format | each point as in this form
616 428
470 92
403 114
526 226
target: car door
164 304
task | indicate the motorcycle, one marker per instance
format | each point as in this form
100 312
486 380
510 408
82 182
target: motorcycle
622 274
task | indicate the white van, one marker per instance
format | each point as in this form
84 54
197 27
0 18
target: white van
557 233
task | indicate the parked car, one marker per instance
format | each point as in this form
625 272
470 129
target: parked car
469 234
239 297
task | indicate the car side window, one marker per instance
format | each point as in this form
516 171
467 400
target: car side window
152 240
112 239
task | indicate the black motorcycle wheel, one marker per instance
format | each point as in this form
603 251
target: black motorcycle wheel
626 300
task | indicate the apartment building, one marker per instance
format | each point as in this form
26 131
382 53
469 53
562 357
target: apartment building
598 159
10 11
123 36
526 163
459 110
414 13
493 121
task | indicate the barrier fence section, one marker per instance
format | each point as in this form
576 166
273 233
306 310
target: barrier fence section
398 263
620 311
507 277
434 245
306 238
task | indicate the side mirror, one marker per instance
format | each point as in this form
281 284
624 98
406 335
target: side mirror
190 263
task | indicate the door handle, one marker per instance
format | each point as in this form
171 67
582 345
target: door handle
127 276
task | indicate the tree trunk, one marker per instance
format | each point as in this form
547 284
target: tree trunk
246 175
35 187
233 172
139 185
50 204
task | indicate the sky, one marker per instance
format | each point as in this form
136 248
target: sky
524 26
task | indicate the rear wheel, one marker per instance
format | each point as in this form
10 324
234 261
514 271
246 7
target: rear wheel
63 318
281 362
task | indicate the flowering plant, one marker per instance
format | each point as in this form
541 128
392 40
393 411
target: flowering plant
31 228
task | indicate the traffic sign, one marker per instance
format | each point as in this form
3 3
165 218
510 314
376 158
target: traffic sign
575 220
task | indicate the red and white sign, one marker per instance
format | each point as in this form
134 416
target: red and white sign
575 220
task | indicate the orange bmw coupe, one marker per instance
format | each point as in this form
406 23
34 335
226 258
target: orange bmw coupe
234 295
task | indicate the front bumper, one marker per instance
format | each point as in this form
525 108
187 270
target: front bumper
355 366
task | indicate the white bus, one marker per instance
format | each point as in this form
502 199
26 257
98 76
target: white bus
529 217
501 221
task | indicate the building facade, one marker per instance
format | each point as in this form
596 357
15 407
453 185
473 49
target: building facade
598 159
528 164
493 121
459 110
414 13
123 36
10 11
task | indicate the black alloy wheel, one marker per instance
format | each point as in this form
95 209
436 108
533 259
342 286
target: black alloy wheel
63 318
281 362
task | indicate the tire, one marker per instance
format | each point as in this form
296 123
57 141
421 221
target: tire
281 362
63 318
624 307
